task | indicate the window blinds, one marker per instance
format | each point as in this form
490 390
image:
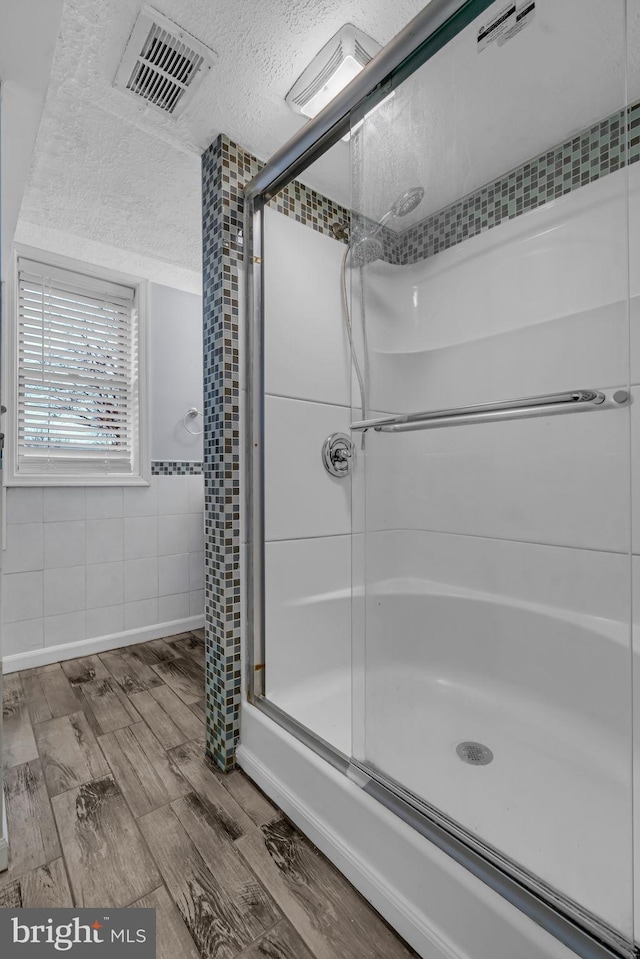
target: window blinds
77 376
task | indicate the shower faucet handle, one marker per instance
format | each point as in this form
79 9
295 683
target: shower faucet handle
338 453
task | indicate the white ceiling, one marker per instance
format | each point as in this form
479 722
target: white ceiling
31 24
126 176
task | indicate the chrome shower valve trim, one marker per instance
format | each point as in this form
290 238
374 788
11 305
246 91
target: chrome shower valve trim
338 453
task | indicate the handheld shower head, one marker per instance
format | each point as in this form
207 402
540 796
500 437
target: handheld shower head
365 248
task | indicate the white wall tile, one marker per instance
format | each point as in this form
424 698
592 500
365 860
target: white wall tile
308 603
65 628
22 596
196 571
173 534
105 585
72 572
196 494
173 494
64 544
24 548
196 603
304 314
22 637
195 524
105 540
140 579
104 502
24 505
141 613
64 590
173 607
141 500
302 499
173 574
140 536
105 621
63 503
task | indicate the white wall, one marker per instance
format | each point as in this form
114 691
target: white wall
85 564
101 567
308 512
175 336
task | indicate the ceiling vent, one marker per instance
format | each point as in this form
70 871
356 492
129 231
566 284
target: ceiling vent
339 61
162 64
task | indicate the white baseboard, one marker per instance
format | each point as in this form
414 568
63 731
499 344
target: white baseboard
87 647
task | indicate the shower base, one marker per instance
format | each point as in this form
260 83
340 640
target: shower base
418 889
556 796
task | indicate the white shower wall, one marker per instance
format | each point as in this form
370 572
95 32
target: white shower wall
104 566
537 305
308 512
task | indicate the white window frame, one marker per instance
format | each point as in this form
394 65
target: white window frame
11 474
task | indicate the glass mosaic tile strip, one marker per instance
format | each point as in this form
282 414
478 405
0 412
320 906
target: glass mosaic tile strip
175 468
577 161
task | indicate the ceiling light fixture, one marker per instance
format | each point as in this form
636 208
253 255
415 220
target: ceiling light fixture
339 61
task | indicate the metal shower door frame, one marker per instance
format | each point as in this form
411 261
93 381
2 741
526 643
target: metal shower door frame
424 36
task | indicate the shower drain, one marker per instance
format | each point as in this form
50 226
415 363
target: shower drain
474 753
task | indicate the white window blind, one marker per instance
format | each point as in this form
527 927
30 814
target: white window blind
77 374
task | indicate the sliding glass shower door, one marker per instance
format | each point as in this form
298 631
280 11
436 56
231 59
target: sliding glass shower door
492 543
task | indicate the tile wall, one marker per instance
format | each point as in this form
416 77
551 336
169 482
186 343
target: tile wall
89 562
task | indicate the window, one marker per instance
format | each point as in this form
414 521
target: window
77 387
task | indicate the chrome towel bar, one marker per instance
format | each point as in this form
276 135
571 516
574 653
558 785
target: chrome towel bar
572 402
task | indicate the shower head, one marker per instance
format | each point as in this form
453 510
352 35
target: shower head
366 249
401 206
407 202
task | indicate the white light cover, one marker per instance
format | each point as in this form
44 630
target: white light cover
331 70
345 73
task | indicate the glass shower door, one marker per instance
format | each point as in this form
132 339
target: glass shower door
492 547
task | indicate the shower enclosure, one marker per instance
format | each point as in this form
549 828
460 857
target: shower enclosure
462 651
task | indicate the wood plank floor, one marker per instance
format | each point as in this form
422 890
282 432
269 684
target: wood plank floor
111 801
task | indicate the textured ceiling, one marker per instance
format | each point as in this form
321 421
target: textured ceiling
123 174
114 171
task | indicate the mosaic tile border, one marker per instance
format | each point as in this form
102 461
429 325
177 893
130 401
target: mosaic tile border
577 161
226 169
175 468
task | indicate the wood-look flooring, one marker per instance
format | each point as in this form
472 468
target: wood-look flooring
112 802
